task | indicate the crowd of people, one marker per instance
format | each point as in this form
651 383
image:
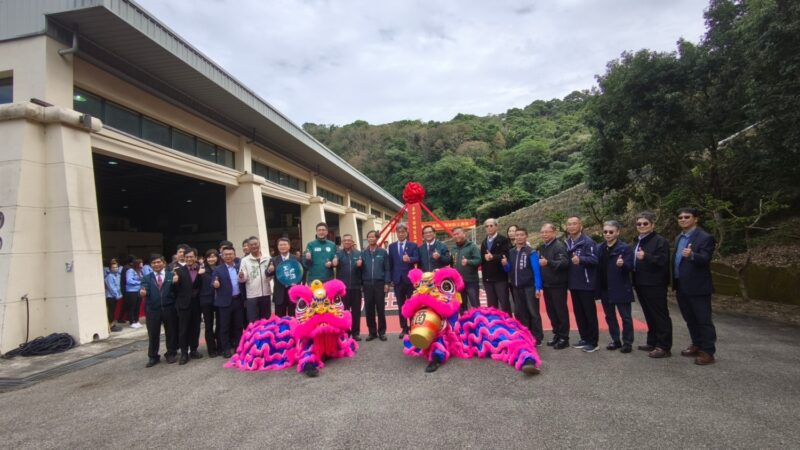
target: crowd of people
225 292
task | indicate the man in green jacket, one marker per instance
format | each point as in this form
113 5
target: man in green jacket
466 259
320 256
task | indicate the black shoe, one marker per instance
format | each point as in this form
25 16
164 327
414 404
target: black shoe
357 338
433 366
530 369
195 355
371 337
152 362
613 346
212 354
184 359
310 370
171 359
626 348
382 337
402 334
646 348
561 344
227 354
552 342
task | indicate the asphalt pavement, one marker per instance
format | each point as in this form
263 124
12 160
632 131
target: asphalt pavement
383 399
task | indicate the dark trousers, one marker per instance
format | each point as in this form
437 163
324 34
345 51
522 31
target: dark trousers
585 310
610 311
526 310
230 324
352 303
654 306
132 302
258 308
472 294
555 301
155 319
375 305
511 299
497 295
211 325
284 309
401 293
189 328
696 311
111 308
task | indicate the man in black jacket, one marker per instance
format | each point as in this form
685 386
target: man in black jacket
187 287
691 280
495 279
650 280
348 263
554 263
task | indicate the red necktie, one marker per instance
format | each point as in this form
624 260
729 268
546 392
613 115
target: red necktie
159 280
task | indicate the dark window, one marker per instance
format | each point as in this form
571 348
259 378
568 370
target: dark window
122 119
206 151
88 104
183 142
303 186
155 132
330 196
358 206
6 90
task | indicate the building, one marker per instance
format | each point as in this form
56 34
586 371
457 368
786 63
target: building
118 137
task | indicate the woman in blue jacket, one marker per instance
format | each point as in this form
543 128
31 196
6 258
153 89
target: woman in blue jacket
615 263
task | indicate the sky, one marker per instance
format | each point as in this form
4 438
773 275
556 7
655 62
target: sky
334 62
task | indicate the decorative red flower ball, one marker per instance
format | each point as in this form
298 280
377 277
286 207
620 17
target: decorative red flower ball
413 193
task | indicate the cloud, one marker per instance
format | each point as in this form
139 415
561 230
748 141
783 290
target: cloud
335 62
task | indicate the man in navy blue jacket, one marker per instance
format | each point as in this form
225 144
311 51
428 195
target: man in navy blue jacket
615 261
691 279
582 283
403 255
157 289
228 299
525 277
375 275
433 254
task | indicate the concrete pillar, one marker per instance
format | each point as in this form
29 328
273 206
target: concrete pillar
310 216
370 224
349 225
244 208
50 259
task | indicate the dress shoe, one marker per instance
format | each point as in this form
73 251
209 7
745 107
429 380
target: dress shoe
371 337
310 370
382 337
357 338
646 348
212 354
613 346
561 344
690 351
227 354
195 355
433 366
184 359
530 369
152 362
171 359
626 348
659 353
552 342
704 359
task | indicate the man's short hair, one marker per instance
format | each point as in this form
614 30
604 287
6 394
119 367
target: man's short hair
251 238
156 257
401 226
551 225
184 247
428 226
493 220
190 250
457 229
575 216
687 210
347 235
228 247
321 224
647 215
523 229
284 239
612 223
225 244
372 232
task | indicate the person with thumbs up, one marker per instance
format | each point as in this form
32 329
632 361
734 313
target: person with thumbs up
467 258
348 269
495 279
614 285
691 280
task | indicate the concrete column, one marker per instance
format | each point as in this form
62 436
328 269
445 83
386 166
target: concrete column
371 224
244 208
310 216
349 225
51 259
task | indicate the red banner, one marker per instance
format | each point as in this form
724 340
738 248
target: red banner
462 223
415 223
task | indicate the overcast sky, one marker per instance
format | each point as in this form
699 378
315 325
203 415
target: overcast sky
334 62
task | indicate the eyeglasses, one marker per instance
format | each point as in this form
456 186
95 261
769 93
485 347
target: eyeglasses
684 217
490 225
642 224
609 231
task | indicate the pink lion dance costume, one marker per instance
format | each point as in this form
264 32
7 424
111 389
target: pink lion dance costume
318 331
438 333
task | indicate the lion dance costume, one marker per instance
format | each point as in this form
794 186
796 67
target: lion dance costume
318 331
438 333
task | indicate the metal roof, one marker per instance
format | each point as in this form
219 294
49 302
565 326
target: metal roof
123 38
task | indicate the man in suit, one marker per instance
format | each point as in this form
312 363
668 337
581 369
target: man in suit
691 280
187 287
280 293
433 254
348 269
650 281
495 279
229 301
157 289
403 255
614 264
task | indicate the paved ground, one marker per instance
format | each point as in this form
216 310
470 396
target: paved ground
383 399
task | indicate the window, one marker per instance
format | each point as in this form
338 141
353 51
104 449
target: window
155 132
377 213
330 196
278 177
225 157
88 104
6 90
358 206
182 142
122 119
206 151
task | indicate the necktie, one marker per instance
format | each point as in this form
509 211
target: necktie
402 247
159 280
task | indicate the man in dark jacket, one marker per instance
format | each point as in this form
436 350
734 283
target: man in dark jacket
525 277
495 279
348 269
614 264
554 264
650 281
466 259
229 301
403 256
280 293
187 288
375 275
157 289
691 274
433 254
582 283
